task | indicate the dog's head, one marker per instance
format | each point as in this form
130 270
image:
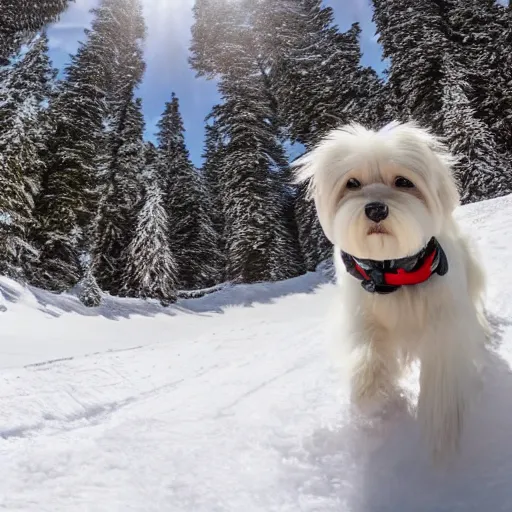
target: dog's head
380 195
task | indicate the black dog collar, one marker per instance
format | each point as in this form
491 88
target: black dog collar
388 275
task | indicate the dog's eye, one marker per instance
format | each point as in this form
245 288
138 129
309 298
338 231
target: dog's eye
353 184
402 182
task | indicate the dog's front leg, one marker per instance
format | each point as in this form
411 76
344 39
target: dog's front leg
375 369
448 378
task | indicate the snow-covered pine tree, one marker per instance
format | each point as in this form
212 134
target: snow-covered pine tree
124 33
123 152
481 171
120 193
258 244
315 246
151 269
25 90
505 82
191 231
484 36
150 158
66 202
69 199
315 70
289 238
212 172
415 36
88 291
300 41
216 38
21 19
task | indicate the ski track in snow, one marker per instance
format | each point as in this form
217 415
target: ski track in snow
229 403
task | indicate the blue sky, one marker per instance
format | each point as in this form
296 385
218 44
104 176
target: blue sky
169 23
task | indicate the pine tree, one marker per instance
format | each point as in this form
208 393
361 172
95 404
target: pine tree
123 158
191 230
505 81
255 228
482 171
316 71
216 36
151 270
21 19
212 172
66 202
88 291
415 35
258 244
120 194
150 159
69 199
297 256
25 89
484 37
314 244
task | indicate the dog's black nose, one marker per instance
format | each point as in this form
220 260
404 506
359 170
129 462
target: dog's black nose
376 211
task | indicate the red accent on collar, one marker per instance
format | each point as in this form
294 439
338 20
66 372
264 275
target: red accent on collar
402 277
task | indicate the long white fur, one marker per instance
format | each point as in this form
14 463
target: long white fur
442 321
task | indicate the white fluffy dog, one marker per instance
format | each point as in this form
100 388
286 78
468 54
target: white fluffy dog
411 283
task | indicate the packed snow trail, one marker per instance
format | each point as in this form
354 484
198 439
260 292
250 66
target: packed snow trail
230 403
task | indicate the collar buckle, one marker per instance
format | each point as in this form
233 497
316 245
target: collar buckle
372 287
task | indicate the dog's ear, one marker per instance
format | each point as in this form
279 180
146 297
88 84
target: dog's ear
443 163
304 172
322 166
316 171
447 189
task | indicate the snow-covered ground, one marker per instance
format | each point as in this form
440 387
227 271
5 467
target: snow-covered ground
229 403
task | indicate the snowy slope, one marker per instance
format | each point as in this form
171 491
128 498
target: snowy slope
229 403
